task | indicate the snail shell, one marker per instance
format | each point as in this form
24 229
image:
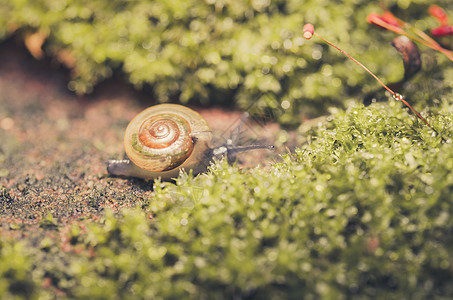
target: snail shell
162 140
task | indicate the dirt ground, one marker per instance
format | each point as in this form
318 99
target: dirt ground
54 144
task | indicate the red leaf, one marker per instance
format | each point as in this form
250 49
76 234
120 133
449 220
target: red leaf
438 13
389 18
442 31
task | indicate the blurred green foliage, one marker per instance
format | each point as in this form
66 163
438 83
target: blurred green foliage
362 210
251 53
16 278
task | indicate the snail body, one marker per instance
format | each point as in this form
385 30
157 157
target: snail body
164 139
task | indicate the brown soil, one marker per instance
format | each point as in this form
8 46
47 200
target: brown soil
54 144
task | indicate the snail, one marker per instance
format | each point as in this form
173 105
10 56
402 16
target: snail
164 139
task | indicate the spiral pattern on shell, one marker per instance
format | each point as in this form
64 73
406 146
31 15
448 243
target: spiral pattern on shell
161 131
161 137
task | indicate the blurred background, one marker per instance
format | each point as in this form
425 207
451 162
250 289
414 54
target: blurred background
243 54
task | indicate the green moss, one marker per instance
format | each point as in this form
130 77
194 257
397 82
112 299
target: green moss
16 277
252 54
362 210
